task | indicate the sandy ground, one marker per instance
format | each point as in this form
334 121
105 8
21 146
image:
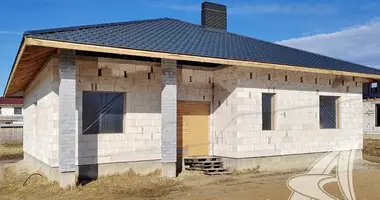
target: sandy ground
192 185
266 186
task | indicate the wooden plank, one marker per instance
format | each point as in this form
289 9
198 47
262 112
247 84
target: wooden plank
193 122
103 49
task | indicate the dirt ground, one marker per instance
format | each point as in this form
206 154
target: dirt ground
190 185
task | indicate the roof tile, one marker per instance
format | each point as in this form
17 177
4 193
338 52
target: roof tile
175 36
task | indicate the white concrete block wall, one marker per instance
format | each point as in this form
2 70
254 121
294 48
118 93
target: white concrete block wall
141 137
142 126
194 84
238 119
41 115
369 116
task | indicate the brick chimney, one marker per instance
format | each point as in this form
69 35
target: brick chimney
214 16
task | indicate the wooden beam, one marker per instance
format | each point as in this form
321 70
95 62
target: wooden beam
121 51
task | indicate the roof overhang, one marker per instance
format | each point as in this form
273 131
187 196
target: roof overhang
33 53
27 64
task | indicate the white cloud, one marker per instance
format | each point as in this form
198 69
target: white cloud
359 44
303 9
10 32
251 8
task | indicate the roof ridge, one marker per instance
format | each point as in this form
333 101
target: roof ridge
71 28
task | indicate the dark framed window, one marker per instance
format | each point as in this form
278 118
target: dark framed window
0 110
17 111
328 112
267 111
374 88
377 114
103 112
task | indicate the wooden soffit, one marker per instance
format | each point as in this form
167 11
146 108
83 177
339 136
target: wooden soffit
28 63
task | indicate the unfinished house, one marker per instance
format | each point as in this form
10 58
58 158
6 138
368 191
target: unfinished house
371 102
143 95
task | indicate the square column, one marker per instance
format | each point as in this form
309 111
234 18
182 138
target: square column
67 97
169 117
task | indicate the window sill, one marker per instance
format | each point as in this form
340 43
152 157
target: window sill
101 133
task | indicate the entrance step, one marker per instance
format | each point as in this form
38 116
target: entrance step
208 164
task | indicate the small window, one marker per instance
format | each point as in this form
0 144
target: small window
267 111
286 78
374 87
377 113
328 112
103 112
17 111
0 111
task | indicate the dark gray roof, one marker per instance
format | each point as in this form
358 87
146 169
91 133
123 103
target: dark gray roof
175 36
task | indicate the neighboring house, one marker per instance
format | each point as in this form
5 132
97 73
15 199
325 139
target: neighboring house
11 112
143 94
371 102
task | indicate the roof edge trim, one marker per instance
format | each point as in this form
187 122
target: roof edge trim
165 55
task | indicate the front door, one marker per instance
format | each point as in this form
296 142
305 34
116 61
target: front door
192 128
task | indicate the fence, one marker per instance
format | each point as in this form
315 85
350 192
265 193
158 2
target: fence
10 135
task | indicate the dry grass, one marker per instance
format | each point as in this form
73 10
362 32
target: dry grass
191 174
124 186
371 147
246 171
10 151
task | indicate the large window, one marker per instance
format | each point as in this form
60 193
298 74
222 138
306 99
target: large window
17 111
328 109
102 112
267 111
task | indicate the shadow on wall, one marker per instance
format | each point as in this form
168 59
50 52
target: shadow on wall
100 112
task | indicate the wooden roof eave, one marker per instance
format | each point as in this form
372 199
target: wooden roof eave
163 55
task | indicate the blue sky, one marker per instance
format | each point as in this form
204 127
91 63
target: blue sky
346 29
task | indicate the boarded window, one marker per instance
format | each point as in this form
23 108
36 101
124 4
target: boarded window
267 111
377 114
17 111
373 87
103 112
328 112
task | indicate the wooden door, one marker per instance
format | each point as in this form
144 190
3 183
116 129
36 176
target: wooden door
192 129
